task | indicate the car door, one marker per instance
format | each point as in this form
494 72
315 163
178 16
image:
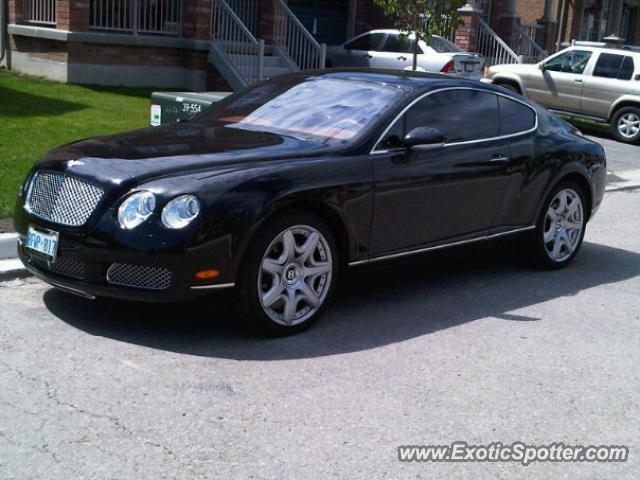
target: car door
360 51
395 53
609 80
425 197
558 83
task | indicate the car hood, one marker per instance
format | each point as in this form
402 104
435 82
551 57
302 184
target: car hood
172 149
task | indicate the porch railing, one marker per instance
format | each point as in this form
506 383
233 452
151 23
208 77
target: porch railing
294 41
42 12
160 17
525 45
494 48
229 34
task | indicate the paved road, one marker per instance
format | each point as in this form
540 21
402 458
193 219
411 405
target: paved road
470 345
620 156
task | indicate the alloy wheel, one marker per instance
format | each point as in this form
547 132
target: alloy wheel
629 125
563 225
295 275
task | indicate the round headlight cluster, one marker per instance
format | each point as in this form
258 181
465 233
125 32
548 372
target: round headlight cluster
138 207
180 212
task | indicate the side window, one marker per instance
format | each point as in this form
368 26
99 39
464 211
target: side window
370 41
573 61
397 44
627 69
461 115
393 138
515 117
608 65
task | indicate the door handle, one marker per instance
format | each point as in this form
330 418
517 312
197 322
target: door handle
366 55
402 58
499 159
577 80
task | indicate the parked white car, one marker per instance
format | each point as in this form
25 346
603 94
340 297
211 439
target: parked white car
585 80
389 49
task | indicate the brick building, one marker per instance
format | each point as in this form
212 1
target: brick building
214 44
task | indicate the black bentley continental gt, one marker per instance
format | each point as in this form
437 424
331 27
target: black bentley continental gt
271 192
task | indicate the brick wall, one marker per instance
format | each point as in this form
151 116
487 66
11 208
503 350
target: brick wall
369 17
530 10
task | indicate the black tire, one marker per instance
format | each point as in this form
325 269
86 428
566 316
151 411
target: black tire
249 301
617 123
537 248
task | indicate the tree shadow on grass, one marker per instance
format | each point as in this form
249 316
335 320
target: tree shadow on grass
374 306
15 103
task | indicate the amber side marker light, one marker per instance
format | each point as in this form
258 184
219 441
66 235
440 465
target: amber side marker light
205 274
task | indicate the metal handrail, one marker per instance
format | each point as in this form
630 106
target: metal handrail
526 46
244 52
494 48
293 40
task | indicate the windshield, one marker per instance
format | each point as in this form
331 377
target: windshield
329 110
442 45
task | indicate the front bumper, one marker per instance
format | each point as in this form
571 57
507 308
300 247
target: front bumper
92 269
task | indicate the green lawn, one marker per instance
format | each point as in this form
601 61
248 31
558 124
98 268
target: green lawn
36 115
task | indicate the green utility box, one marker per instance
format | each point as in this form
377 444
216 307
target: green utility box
170 107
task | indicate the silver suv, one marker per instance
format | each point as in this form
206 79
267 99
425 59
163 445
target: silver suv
586 81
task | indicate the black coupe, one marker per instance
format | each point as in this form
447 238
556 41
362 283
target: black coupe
271 192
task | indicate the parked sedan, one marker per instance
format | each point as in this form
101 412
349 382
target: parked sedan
271 192
390 49
583 81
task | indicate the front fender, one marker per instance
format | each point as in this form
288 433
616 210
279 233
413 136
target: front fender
509 77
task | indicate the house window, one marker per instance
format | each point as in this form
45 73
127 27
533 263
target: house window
40 12
160 17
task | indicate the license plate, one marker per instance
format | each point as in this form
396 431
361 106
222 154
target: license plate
469 67
45 244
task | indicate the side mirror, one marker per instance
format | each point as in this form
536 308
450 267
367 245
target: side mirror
542 67
424 138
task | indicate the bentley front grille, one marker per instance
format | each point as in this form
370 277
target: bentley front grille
62 199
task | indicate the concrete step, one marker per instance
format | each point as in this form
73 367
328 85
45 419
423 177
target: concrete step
269 61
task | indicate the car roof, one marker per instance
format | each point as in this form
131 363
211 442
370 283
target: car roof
407 80
597 48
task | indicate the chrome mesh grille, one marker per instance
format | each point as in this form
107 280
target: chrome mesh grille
62 199
139 276
62 266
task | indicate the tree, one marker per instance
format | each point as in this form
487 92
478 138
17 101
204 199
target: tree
423 18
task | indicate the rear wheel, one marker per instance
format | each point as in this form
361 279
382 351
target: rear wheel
560 230
625 125
288 274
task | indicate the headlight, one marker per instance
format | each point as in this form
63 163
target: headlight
180 212
136 209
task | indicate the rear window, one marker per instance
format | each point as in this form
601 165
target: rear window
515 117
610 65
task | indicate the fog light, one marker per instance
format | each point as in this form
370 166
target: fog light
205 274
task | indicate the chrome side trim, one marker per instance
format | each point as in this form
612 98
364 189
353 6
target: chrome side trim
468 142
213 287
438 247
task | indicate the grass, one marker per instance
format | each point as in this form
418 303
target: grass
37 115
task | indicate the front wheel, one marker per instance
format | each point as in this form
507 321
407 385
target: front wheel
560 230
288 274
625 125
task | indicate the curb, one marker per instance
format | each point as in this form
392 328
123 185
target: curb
8 245
10 267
